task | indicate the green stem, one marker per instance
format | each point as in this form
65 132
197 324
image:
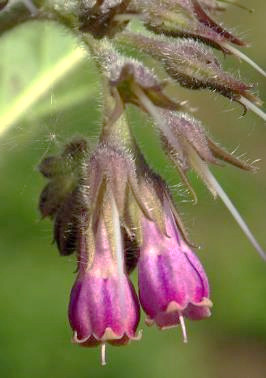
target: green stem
115 127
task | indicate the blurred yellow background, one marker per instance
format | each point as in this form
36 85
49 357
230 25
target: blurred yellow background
36 281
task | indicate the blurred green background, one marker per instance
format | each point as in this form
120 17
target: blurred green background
35 281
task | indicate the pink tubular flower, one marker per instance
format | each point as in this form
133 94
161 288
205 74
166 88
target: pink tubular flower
103 306
172 282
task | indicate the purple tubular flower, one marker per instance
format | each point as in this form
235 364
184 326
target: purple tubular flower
103 306
172 281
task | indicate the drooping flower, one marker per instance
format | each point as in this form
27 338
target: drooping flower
103 306
172 281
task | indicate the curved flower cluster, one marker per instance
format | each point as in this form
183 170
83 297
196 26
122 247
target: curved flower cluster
107 205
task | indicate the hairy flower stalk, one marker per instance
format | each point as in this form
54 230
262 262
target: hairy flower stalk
108 206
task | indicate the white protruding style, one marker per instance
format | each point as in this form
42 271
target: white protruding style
183 328
103 354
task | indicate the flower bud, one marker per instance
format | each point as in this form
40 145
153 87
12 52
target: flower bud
184 19
67 223
188 130
111 171
50 166
192 64
64 173
62 197
51 199
125 74
185 136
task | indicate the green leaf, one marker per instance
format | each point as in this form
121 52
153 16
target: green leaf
35 59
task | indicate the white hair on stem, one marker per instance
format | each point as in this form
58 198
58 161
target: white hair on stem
250 106
243 57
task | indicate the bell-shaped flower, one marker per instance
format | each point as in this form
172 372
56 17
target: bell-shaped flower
103 305
172 281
